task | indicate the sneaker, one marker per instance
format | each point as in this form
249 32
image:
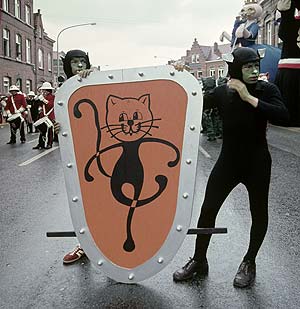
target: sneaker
191 269
74 255
245 275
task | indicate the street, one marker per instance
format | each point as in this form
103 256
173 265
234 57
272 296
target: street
33 201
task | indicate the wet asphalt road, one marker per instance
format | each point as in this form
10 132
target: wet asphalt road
33 201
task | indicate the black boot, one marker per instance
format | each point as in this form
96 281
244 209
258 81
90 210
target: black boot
11 142
190 269
37 147
245 275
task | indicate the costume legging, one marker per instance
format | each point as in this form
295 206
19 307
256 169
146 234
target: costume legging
225 176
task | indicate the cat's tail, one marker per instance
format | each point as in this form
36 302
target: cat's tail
78 114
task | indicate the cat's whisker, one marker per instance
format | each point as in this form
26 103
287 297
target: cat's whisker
110 125
154 119
109 130
156 127
113 135
146 132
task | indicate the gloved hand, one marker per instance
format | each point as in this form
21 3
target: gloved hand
284 5
21 109
28 106
8 113
41 98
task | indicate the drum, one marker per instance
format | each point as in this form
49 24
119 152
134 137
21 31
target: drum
43 124
15 120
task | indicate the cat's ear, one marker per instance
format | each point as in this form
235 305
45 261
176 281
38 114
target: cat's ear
112 100
145 99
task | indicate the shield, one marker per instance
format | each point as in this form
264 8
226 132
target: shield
129 149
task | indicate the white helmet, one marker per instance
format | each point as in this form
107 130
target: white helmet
14 88
31 93
46 86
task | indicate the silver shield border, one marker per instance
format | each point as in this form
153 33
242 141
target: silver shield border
188 166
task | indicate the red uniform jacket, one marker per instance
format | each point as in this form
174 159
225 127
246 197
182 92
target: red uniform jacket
48 107
20 102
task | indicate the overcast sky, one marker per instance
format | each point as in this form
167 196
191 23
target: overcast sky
129 33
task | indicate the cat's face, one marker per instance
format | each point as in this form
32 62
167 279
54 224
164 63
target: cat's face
128 119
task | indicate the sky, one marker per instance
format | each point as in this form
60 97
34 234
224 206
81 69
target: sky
136 33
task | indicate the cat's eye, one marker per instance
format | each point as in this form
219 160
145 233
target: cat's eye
122 117
137 116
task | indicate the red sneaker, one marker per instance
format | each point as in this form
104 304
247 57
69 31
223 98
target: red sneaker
74 255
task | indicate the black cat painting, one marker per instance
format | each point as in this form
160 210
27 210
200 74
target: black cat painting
130 123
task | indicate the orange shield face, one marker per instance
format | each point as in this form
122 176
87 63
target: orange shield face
130 152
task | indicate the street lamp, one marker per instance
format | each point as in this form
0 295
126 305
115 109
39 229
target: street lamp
57 55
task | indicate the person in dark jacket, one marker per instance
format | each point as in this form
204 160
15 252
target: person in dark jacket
246 105
288 74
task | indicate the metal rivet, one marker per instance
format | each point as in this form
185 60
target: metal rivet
179 228
131 276
194 93
110 76
64 134
79 78
160 260
82 231
172 73
185 195
141 73
100 263
69 165
188 161
60 103
75 199
192 127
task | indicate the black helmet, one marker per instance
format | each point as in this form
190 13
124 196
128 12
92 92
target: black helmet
67 60
241 56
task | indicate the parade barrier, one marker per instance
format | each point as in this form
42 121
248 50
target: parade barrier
129 148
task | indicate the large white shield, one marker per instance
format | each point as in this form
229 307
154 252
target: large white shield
129 147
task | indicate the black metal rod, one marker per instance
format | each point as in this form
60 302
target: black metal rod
61 234
190 232
220 230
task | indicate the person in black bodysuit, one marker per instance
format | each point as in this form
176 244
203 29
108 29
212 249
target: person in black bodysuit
245 104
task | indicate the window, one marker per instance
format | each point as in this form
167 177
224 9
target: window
220 72
18 47
5 5
269 32
40 32
199 73
40 58
212 72
28 51
17 8
6 84
27 14
6 42
193 58
28 85
49 62
197 58
19 83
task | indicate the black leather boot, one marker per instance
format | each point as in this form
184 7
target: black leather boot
190 269
245 275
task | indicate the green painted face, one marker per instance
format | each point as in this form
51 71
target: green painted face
250 72
78 64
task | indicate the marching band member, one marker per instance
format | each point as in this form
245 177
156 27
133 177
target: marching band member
46 117
288 75
15 108
32 108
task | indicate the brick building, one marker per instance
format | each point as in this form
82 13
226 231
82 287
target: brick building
26 52
206 61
